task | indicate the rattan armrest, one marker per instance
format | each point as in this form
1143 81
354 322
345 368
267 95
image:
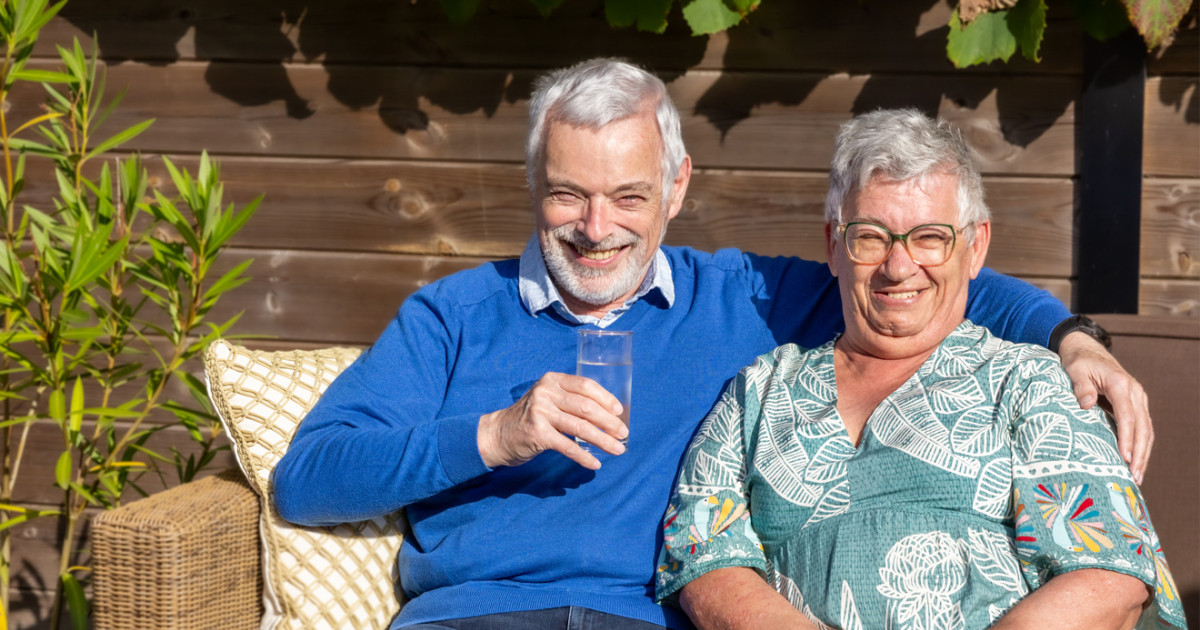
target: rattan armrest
185 558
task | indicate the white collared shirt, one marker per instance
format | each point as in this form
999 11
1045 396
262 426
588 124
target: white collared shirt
538 292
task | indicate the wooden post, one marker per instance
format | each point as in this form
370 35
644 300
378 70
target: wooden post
1109 127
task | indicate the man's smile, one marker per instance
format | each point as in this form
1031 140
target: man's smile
596 254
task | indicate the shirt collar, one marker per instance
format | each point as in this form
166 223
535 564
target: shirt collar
538 292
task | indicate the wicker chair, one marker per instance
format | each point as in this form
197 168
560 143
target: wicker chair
187 558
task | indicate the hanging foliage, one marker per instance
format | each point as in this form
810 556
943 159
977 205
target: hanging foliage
981 31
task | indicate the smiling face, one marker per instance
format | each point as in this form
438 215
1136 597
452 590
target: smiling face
896 308
600 209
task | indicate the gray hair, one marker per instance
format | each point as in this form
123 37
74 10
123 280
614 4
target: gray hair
593 94
903 144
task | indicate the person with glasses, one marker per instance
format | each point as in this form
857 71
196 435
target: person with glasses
916 471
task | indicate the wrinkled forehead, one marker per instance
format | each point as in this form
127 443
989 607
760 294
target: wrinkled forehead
930 197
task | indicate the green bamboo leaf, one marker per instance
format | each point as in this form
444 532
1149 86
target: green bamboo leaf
183 183
41 76
74 62
459 11
120 138
709 16
84 493
45 16
230 280
76 412
58 405
77 603
27 516
84 274
62 471
232 222
29 146
30 512
1156 20
26 17
647 15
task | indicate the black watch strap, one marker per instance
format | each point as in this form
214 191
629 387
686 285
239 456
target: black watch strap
1080 323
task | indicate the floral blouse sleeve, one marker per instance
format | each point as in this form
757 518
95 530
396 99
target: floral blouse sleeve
707 523
1075 504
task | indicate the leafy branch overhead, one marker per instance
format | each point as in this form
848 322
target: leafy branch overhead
981 31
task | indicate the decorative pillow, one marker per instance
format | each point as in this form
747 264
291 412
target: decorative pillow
313 577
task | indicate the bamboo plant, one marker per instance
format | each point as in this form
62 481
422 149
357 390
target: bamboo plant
105 295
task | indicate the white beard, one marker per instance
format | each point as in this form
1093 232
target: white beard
597 287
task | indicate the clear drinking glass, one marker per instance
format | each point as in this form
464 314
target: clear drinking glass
606 356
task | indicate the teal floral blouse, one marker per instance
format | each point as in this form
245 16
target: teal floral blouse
975 482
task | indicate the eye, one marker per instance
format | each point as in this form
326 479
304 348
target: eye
868 235
930 237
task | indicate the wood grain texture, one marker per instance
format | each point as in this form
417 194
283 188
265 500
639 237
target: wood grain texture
483 210
1171 228
1179 298
1171 144
730 119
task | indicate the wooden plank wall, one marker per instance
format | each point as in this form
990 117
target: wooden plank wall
388 144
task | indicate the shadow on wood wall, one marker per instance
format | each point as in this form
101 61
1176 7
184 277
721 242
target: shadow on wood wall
806 38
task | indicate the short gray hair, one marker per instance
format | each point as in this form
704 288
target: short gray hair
903 144
593 94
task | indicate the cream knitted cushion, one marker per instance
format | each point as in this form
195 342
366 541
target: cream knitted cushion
323 577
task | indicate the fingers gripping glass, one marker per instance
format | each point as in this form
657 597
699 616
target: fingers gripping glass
927 245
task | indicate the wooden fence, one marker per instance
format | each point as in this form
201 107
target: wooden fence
388 143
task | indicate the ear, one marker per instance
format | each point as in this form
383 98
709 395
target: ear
679 189
830 243
979 249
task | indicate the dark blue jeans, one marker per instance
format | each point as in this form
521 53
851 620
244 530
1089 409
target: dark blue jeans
566 618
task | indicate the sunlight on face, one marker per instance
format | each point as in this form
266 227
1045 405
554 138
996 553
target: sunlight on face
601 215
898 306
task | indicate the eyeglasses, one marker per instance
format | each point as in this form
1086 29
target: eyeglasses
927 245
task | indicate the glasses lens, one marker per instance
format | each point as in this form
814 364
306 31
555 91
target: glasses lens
867 244
931 244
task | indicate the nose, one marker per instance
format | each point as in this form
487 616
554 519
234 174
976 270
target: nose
899 263
597 219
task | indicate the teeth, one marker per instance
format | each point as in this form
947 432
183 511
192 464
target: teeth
903 296
597 254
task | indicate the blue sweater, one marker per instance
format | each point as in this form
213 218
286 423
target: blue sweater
398 428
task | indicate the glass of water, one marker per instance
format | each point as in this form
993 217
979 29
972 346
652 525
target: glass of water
606 356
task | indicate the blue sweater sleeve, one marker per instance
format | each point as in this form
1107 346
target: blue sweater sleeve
800 302
1013 309
374 442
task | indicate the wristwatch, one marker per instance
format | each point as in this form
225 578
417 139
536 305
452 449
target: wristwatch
1083 324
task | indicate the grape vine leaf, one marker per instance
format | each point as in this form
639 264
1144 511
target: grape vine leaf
1156 19
997 34
709 16
647 15
1101 19
742 7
